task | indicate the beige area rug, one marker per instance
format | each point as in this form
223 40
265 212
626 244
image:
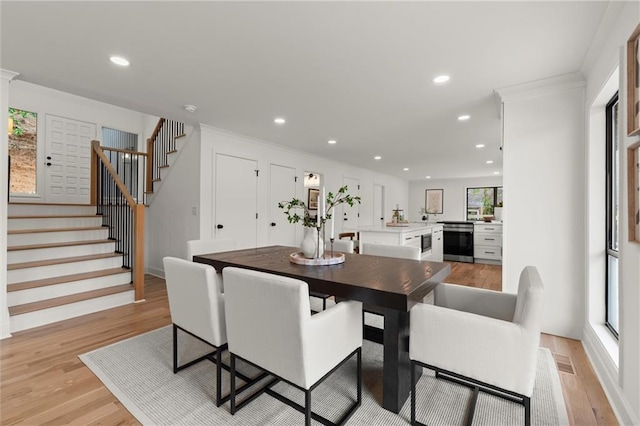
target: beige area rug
138 372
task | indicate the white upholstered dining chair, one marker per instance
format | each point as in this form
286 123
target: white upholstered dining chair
401 252
342 246
480 338
196 247
269 325
197 307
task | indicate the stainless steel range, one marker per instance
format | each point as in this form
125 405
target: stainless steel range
458 241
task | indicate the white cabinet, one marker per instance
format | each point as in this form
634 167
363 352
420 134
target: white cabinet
487 243
410 236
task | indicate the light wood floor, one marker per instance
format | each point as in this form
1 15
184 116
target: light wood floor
43 382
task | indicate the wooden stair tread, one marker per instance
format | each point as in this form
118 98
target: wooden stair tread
55 216
156 180
180 136
65 300
53 245
36 231
65 279
48 262
164 166
50 204
173 151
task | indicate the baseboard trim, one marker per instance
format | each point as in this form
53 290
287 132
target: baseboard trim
607 373
155 272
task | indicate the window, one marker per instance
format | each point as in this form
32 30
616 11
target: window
612 218
481 201
23 144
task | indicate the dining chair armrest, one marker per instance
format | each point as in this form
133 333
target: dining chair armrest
332 335
479 301
475 346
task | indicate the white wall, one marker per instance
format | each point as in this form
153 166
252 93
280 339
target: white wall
170 221
454 196
218 141
544 195
622 382
5 78
43 100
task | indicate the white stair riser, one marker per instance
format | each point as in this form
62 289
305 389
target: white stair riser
53 222
56 237
19 256
49 271
21 297
39 210
72 310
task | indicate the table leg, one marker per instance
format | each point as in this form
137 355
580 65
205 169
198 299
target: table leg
397 366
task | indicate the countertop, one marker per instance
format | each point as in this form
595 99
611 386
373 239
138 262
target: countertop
413 226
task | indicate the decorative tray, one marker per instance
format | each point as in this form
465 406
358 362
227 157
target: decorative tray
327 260
396 225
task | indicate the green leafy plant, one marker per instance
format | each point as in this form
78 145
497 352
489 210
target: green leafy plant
19 117
292 207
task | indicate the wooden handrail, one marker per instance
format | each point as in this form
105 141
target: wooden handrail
124 151
95 145
157 129
137 209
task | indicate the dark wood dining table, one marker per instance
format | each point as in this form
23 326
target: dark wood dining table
385 285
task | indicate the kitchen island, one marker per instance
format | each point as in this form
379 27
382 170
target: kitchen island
425 235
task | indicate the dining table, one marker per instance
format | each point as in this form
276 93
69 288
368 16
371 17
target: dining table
387 286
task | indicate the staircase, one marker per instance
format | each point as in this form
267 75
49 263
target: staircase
61 264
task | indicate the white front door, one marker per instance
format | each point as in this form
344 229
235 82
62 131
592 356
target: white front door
67 171
351 215
282 187
236 206
378 204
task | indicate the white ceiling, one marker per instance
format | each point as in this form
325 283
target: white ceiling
357 72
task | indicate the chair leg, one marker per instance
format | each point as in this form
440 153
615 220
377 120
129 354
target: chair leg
359 376
175 349
527 410
324 303
307 408
218 377
413 393
232 391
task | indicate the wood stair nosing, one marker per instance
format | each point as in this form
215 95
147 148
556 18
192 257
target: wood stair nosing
55 216
49 262
173 151
65 300
156 180
42 230
58 245
25 285
182 135
164 166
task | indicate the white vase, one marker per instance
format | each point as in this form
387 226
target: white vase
309 244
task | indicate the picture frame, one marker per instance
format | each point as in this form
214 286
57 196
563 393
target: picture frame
312 198
633 83
633 191
433 201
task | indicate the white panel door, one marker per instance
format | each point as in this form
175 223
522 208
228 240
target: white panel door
236 206
351 215
282 187
378 204
67 171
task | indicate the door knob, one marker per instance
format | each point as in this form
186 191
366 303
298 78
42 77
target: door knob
219 226
273 224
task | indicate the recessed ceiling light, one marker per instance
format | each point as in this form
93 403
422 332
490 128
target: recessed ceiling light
377 157
489 161
480 145
464 117
406 169
496 173
332 142
441 79
119 60
279 120
190 108
427 177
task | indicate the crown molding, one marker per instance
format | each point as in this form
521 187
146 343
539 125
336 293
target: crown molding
8 75
539 88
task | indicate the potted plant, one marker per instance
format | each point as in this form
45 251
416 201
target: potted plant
325 211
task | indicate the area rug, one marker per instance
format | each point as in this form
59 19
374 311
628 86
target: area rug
138 372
